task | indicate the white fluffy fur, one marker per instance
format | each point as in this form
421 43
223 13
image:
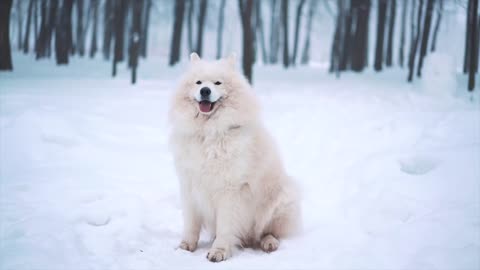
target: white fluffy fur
232 180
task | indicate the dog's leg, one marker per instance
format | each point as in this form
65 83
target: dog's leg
191 227
233 221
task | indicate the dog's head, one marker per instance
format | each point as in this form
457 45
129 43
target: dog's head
214 91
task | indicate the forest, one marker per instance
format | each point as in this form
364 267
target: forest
274 32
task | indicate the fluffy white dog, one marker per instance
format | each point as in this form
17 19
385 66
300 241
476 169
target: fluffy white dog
232 180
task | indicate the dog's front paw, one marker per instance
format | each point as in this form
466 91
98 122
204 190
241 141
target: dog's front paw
188 246
217 254
269 243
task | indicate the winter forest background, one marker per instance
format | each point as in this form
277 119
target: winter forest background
374 106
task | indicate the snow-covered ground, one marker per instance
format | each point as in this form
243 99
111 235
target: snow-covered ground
390 172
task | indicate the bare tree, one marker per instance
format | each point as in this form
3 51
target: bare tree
415 39
298 19
119 24
26 41
221 13
191 7
284 9
93 44
474 46
361 17
437 25
177 32
382 11
306 46
391 28
259 29
201 26
80 39
401 50
274 31
145 26
5 49
61 36
426 34
245 8
135 37
20 23
108 26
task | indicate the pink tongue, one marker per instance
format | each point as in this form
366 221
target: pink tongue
205 106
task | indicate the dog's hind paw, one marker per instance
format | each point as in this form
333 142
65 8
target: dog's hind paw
269 243
217 254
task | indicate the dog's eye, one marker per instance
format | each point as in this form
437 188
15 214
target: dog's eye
198 82
217 83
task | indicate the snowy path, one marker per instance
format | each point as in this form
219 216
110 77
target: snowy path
390 176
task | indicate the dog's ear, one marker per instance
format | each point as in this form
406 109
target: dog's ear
232 60
194 57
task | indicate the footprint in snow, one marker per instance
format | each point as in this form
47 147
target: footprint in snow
417 165
97 219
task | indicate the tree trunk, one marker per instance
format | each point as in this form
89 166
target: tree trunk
468 34
135 37
191 7
108 17
80 44
414 42
61 34
437 25
20 23
221 12
346 38
35 21
382 10
337 44
246 7
426 34
40 41
284 9
274 32
26 41
5 49
201 26
93 44
306 46
401 51
260 32
145 26
360 40
298 19
391 28
177 32
473 9
119 23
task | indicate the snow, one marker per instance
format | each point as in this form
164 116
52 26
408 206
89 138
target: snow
390 171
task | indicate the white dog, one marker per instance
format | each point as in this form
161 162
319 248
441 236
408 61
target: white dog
232 180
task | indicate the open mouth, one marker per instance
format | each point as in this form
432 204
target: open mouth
206 106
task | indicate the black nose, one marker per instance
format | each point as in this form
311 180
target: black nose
205 92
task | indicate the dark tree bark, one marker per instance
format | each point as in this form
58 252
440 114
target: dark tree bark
119 23
359 52
35 21
62 45
246 7
298 19
177 32
47 28
437 25
26 41
145 27
135 37
108 17
382 10
426 34
346 38
259 30
391 28
191 7
337 44
472 23
221 13
80 43
401 50
274 31
415 40
306 46
41 39
468 35
201 26
284 9
93 44
20 23
5 49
